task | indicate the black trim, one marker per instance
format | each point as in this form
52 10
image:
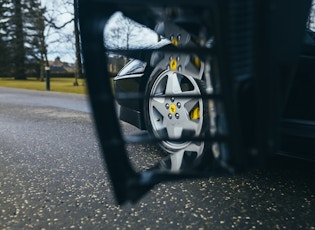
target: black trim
298 139
132 117
298 128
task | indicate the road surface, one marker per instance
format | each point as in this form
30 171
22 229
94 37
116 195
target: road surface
52 177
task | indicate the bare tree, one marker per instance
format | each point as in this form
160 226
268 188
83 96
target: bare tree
121 32
78 66
73 19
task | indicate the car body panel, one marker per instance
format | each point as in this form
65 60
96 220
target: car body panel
130 81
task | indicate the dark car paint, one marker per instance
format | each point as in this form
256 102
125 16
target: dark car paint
131 82
298 125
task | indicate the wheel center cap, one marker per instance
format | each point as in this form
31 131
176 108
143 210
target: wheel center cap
172 108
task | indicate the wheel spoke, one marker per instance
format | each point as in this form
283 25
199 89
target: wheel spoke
193 147
191 125
185 99
190 104
177 160
174 131
159 105
172 85
177 131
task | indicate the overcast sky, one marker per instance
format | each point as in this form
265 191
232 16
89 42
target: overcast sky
60 43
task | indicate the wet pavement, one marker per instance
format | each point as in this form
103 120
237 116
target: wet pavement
52 177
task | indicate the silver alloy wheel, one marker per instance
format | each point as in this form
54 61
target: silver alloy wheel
176 117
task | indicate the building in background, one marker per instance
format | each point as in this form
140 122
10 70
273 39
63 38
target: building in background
61 69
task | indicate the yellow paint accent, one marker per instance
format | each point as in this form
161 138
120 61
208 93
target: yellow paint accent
195 113
172 108
174 42
173 64
197 62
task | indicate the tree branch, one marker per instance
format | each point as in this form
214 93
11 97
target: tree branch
53 24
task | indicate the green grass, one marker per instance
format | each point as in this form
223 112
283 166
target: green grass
56 84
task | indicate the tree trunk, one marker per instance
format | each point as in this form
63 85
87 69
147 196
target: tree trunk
19 59
78 65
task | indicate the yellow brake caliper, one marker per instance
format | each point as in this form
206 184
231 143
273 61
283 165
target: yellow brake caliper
195 113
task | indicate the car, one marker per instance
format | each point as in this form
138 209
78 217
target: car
225 86
173 118
170 107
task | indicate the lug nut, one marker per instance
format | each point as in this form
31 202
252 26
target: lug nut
178 105
170 116
167 106
177 115
172 99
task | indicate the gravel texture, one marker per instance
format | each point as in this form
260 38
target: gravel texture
52 177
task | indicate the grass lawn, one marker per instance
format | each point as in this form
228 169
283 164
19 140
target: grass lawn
56 84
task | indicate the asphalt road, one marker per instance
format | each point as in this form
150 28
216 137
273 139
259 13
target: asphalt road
52 177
